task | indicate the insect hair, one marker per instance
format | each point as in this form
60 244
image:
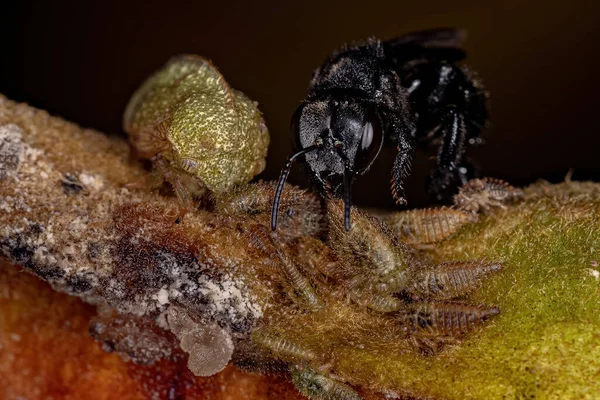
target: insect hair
301 213
369 247
315 257
301 287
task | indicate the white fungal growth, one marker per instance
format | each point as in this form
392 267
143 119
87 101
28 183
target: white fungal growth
163 296
230 297
91 182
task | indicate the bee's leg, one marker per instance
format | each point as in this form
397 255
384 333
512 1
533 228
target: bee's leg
300 288
450 106
401 167
449 171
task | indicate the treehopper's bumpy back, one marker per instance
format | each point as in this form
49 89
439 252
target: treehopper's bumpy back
198 131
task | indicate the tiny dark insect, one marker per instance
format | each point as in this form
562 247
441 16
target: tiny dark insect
71 184
407 92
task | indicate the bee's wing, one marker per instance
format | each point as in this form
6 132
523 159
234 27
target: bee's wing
441 43
433 38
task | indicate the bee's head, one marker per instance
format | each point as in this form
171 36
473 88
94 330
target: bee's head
339 138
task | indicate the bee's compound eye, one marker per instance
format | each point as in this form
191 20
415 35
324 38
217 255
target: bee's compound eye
370 141
295 128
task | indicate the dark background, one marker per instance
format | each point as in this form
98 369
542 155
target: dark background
538 59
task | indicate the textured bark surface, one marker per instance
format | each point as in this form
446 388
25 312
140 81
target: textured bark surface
46 353
66 218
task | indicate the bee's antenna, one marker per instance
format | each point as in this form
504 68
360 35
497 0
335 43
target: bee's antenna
347 175
283 177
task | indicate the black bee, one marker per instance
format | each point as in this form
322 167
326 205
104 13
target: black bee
408 92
